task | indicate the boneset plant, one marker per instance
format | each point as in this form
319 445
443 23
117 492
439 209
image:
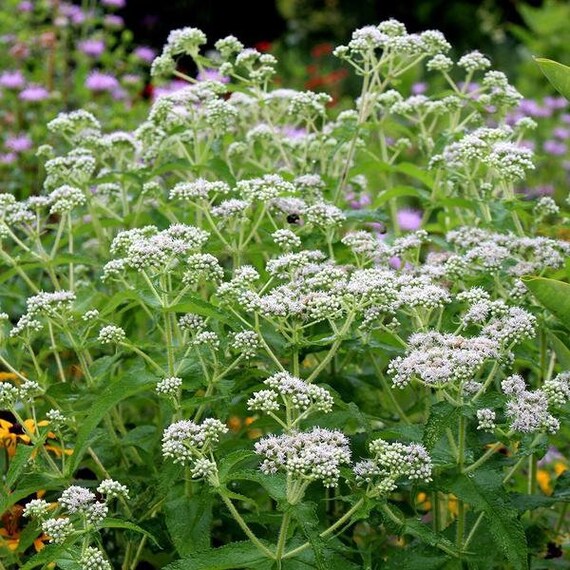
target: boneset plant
282 337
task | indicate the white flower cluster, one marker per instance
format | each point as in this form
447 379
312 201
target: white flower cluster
79 500
293 392
111 334
246 343
50 305
314 455
190 444
169 386
149 249
438 359
486 418
183 41
557 389
528 409
486 251
94 559
389 462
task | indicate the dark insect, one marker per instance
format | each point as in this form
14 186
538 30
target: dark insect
293 218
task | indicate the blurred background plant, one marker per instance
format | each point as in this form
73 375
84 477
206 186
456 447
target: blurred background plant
58 56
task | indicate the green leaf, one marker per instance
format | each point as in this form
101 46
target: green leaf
484 491
30 485
557 74
275 485
441 416
201 307
552 294
416 172
188 521
18 463
128 385
396 192
228 557
561 350
228 463
48 554
118 523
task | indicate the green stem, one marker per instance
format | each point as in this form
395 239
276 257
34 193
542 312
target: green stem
326 533
483 458
243 525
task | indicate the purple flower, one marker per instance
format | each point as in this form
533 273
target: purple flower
145 53
173 86
92 47
538 191
26 6
18 143
531 145
409 220
212 75
533 109
565 118
12 80
555 103
34 93
419 88
113 21
114 3
293 133
554 147
131 79
9 158
99 82
74 13
561 133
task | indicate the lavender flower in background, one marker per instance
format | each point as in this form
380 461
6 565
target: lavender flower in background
100 82
554 147
12 79
145 53
113 21
409 220
114 3
212 75
419 88
34 93
92 47
18 143
26 6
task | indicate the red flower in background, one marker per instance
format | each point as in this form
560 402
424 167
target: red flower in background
263 46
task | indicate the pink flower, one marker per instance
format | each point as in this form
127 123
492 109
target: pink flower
34 93
99 82
12 80
409 220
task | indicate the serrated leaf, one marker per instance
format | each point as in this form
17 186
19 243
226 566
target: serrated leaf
48 554
18 463
557 74
442 415
110 522
230 461
484 491
275 484
128 385
552 294
234 555
188 521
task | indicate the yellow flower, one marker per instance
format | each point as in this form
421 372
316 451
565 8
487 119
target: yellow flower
8 376
544 481
11 530
13 433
